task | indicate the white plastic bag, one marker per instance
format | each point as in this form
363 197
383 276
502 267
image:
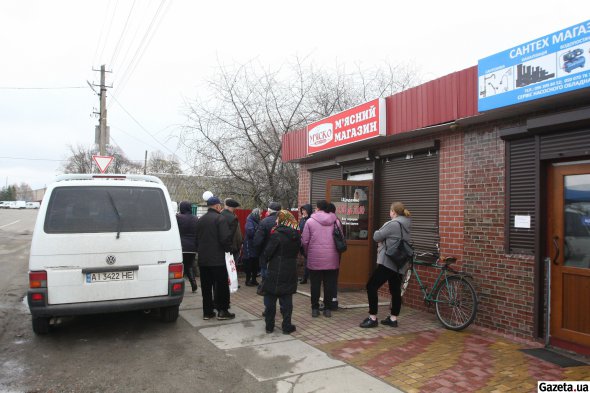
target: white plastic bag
232 273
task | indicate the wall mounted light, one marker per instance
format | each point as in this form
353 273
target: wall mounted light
409 156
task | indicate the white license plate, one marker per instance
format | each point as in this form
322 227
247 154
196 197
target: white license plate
109 276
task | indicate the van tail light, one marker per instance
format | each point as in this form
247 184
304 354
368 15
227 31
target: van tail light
177 288
37 297
175 270
38 279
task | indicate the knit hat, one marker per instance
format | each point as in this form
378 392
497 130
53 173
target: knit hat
231 203
213 201
285 218
255 214
274 206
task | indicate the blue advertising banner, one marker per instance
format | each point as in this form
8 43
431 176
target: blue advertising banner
553 64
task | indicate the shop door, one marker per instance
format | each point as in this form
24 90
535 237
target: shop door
354 208
568 245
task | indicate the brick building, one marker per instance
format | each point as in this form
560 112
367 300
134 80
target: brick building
502 189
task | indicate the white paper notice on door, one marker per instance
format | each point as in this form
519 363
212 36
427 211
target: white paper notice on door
522 221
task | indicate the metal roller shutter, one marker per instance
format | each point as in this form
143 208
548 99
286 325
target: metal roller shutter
521 191
565 144
318 182
415 183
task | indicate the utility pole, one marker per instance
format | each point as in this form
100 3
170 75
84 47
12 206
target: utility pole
101 135
102 121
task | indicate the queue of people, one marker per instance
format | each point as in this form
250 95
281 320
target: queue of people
272 245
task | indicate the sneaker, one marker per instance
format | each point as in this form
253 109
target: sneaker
269 329
327 313
315 312
387 321
223 315
209 316
369 323
303 281
289 330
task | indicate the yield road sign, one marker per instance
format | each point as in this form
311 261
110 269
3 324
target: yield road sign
103 162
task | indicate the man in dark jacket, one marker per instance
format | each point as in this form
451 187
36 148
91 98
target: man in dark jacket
214 240
234 226
187 226
263 233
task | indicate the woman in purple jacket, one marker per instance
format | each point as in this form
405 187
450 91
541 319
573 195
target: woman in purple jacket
323 260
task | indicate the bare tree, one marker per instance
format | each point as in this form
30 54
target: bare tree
237 131
159 163
80 161
24 192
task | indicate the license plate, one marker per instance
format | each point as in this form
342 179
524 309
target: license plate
109 276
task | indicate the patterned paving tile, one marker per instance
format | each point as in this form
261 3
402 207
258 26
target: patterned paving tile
420 355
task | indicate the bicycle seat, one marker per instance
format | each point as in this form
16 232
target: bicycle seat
450 260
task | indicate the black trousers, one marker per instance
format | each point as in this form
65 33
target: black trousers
188 260
379 277
214 280
251 268
329 278
270 304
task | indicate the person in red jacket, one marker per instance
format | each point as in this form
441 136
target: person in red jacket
323 260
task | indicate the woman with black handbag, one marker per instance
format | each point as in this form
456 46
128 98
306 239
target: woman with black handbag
387 271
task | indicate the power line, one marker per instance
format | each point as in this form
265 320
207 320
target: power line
42 88
143 128
31 159
106 14
109 29
141 49
116 51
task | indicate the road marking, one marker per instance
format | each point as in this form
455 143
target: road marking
5 225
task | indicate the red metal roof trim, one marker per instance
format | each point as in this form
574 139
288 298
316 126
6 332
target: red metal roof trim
442 100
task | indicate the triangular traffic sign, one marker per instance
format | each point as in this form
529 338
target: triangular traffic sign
103 162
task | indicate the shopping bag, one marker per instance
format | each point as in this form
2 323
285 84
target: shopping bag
232 273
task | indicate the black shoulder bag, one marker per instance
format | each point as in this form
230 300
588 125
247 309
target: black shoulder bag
400 251
339 240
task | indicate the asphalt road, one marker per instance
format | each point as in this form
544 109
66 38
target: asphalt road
125 352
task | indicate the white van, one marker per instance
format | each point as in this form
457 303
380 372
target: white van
33 205
104 243
18 205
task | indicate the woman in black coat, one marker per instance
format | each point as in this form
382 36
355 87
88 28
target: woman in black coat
187 226
280 282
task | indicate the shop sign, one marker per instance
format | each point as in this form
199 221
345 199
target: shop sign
357 124
352 209
553 64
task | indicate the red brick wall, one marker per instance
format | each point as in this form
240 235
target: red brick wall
451 209
304 185
505 282
471 227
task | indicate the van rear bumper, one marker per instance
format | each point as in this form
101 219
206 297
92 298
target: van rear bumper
41 309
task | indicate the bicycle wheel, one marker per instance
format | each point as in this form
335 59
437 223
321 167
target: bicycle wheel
456 302
406 281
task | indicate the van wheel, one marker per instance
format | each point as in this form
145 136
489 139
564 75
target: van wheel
169 314
40 325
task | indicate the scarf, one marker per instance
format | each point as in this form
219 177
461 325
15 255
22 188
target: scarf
285 218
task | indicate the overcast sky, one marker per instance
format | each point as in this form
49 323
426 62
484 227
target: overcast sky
56 44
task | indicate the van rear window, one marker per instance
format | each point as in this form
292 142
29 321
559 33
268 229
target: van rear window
92 209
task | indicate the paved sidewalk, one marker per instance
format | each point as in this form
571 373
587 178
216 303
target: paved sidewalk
419 356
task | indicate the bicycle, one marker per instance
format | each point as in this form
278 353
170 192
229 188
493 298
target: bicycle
454 296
